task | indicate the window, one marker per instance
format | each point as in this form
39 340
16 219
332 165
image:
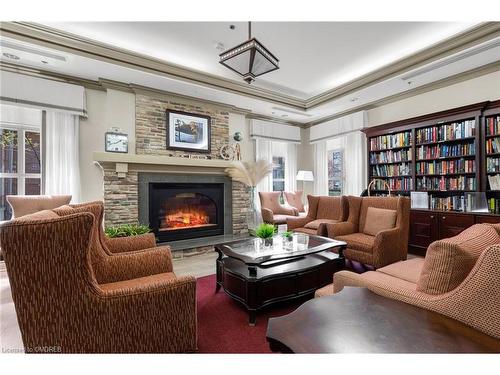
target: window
20 164
278 173
335 172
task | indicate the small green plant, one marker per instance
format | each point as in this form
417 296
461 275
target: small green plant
127 230
265 230
287 234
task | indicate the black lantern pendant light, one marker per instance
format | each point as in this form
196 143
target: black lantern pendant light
249 59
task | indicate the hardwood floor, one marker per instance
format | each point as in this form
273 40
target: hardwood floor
10 335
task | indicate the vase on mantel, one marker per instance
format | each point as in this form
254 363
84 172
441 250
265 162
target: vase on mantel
254 218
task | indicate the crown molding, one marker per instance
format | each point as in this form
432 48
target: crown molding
448 81
467 39
53 38
255 116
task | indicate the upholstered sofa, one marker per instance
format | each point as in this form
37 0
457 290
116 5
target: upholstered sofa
272 210
74 296
322 210
459 277
376 230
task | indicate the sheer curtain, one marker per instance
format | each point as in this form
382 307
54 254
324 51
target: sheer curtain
291 167
61 155
320 168
354 163
263 150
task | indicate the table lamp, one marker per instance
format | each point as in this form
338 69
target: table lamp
304 176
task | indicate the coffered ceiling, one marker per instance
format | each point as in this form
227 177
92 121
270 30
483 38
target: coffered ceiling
326 68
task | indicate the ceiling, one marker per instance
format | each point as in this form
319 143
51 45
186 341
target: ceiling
315 58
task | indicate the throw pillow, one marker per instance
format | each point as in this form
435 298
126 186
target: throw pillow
379 219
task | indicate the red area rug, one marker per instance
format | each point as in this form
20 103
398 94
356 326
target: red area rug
223 323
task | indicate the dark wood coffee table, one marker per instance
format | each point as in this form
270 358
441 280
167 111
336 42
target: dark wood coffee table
258 276
359 321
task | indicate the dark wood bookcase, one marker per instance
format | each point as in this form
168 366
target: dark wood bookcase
444 152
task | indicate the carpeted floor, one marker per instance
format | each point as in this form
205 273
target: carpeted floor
223 323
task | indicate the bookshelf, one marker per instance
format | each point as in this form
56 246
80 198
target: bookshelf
491 152
438 153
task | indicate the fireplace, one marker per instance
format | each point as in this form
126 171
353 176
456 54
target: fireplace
180 211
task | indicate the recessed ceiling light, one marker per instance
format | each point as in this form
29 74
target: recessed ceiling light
353 99
232 27
11 56
44 62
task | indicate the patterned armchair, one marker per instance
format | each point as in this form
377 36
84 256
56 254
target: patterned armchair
322 211
70 294
376 231
459 278
272 210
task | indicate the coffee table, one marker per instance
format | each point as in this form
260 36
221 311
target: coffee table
357 320
258 275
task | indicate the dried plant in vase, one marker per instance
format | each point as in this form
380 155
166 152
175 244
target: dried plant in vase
250 174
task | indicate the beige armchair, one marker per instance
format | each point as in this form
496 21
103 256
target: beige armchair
459 278
72 297
376 231
272 210
322 211
28 204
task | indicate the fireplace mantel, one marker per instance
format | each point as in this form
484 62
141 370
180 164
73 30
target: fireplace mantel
151 163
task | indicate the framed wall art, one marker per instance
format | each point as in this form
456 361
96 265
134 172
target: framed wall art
188 132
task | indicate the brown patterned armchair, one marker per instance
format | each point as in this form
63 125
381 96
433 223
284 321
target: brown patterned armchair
72 296
322 210
272 210
459 278
376 230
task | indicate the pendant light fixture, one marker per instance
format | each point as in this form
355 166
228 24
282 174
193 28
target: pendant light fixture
249 59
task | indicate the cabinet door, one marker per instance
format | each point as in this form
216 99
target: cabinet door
423 229
452 224
487 219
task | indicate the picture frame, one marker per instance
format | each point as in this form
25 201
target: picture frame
188 131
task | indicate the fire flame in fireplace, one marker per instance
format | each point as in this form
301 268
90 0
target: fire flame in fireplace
186 217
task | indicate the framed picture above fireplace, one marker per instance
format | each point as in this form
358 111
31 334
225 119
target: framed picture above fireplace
188 131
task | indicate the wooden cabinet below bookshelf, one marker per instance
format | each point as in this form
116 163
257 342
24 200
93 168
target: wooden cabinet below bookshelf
427 226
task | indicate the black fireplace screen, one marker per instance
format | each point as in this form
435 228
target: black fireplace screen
183 211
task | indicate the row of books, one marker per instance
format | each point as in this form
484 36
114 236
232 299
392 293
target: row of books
403 183
493 145
492 165
384 142
454 203
403 169
446 183
390 156
446 166
494 205
493 125
448 132
444 151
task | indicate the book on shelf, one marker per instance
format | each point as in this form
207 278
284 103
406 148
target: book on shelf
383 142
492 164
446 166
493 125
454 203
391 170
403 183
494 181
447 132
493 145
443 151
446 183
494 205
390 156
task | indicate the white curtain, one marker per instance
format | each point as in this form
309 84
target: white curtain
61 155
291 167
354 163
320 168
263 150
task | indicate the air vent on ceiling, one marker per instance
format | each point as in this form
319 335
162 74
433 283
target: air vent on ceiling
452 59
278 109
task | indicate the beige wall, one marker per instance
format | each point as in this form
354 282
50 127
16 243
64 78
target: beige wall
483 88
105 109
